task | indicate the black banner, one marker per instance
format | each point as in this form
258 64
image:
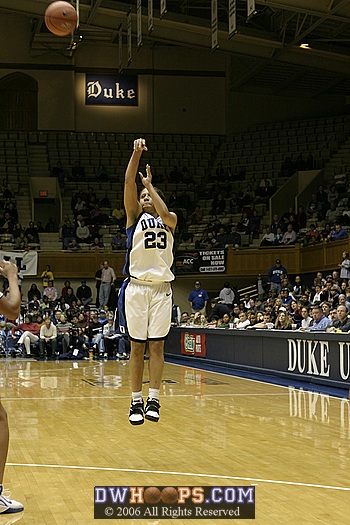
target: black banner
200 261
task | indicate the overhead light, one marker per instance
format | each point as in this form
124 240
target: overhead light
305 46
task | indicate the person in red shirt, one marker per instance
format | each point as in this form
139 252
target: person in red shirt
30 333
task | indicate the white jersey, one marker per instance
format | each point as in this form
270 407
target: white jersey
150 250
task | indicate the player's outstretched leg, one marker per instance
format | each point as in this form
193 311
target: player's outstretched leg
7 505
136 414
156 367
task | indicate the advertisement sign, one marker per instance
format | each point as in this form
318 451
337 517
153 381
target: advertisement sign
26 262
201 261
193 344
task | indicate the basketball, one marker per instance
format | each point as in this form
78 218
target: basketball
152 495
61 18
169 495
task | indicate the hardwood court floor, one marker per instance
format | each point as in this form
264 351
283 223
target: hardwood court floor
70 432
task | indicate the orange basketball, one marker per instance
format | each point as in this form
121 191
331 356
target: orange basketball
61 18
152 495
169 495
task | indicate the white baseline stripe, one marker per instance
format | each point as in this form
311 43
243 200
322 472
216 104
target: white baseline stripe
192 474
63 398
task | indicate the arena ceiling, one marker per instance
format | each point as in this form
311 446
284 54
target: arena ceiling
269 44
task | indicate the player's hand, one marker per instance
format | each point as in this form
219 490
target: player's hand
146 180
140 145
8 269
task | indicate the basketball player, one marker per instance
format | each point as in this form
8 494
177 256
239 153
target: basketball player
146 293
9 306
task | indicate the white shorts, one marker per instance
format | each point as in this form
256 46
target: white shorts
148 310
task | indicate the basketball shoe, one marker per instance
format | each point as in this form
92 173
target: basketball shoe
136 415
7 505
152 410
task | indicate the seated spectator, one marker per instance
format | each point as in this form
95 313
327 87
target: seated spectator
278 237
67 233
30 333
32 233
312 236
48 339
50 226
196 216
287 298
224 322
78 172
243 225
321 322
79 206
327 230
234 239
73 246
306 319
84 293
243 321
221 237
33 293
316 296
66 287
333 214
290 236
338 233
314 208
97 244
63 328
218 205
7 223
342 323
50 292
283 321
60 173
301 217
276 223
340 179
268 238
69 297
118 241
101 173
16 232
333 196
21 241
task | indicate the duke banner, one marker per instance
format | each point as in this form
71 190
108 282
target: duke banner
26 262
201 261
111 90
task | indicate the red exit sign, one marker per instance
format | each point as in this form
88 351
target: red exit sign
43 193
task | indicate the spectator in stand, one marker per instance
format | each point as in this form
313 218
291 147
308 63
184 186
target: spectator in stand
333 214
218 205
50 226
73 246
118 242
228 296
101 173
196 216
60 173
301 217
82 232
312 236
21 241
306 319
78 172
268 238
47 276
276 223
342 322
50 292
67 233
314 208
243 225
62 328
32 233
338 233
243 321
70 297
289 236
321 322
345 267
298 288
234 238
67 286
283 321
221 237
327 230
333 196
275 275
30 333
322 197
218 310
79 206
97 245
84 293
48 339
287 298
198 299
33 293
16 232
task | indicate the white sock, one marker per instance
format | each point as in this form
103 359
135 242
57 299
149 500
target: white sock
136 396
153 393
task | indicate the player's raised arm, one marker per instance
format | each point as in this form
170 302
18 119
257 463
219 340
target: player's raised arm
168 217
10 305
131 202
